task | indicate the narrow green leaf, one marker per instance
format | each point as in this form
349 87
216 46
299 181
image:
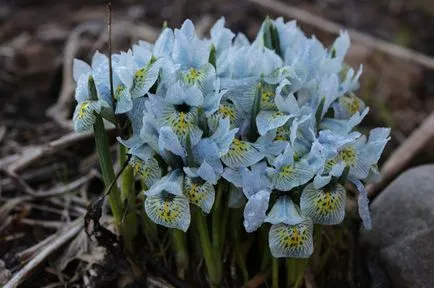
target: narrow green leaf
255 110
318 113
212 56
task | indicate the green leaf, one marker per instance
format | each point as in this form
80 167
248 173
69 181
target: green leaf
212 56
255 110
318 113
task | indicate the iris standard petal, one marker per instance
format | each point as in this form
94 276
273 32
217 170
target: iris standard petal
254 212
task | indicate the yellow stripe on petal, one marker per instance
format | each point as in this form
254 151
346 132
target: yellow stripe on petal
282 133
325 206
242 154
182 122
193 76
226 110
84 115
291 240
168 210
351 103
267 97
199 193
149 170
83 109
348 155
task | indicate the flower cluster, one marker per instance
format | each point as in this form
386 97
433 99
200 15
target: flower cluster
273 120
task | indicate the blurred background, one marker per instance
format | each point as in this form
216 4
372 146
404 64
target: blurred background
39 39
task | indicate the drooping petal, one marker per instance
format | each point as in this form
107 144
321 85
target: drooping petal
363 202
84 114
144 78
290 176
242 154
172 211
254 212
325 206
124 103
199 193
284 211
182 123
294 241
149 170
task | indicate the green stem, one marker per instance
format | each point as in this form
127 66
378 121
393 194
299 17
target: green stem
129 225
105 160
275 273
179 242
295 271
317 238
216 218
240 259
212 264
266 255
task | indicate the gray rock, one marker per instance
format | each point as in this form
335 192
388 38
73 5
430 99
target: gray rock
402 234
405 207
410 262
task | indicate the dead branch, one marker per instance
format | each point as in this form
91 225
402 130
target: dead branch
402 156
63 237
34 153
42 223
334 28
63 189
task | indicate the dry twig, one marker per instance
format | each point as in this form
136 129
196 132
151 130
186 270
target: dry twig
34 153
63 237
334 28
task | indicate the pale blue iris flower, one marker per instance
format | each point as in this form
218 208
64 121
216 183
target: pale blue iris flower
84 114
276 119
291 232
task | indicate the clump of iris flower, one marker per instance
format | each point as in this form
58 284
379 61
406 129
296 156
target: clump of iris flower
275 120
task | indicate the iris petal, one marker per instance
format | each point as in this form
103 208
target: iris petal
325 206
149 170
242 154
291 240
199 193
169 210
